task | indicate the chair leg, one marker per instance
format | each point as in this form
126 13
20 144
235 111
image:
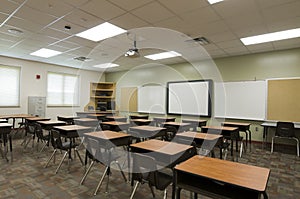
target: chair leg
118 164
152 191
134 189
77 152
272 145
87 172
62 160
297 146
101 180
52 155
165 194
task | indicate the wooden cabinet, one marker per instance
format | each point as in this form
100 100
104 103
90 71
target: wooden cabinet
102 96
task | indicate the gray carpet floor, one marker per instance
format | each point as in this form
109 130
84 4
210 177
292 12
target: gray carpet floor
26 177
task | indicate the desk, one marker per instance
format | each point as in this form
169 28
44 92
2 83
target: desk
195 123
36 119
180 126
107 140
273 124
116 118
14 117
48 125
140 122
220 179
5 130
244 127
87 122
231 133
71 131
205 140
117 126
3 120
159 120
97 116
147 132
145 117
86 113
67 119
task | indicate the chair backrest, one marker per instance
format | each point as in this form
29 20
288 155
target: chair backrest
29 127
56 139
144 168
170 132
285 129
39 131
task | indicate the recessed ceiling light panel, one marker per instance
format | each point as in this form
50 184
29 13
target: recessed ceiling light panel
101 32
164 55
106 65
214 1
46 53
269 37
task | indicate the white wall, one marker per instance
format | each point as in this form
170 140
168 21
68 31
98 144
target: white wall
30 86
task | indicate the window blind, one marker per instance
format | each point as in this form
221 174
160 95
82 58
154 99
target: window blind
9 86
62 89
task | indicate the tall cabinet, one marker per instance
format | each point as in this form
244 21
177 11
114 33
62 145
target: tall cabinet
102 96
37 106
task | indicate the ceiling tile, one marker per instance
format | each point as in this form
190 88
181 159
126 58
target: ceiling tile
258 47
129 21
60 26
222 36
130 4
76 3
8 7
55 33
103 9
250 30
53 7
209 29
24 24
286 24
235 8
152 12
271 3
179 6
288 43
281 12
83 19
30 14
230 44
236 51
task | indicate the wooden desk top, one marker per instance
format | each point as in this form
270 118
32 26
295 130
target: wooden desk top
115 117
138 116
176 123
147 128
95 115
85 120
35 119
71 127
193 120
201 136
164 118
251 177
5 125
68 116
168 148
107 135
140 120
274 124
51 122
15 116
222 128
115 123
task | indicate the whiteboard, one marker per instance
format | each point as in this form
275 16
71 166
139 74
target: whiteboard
240 100
189 98
151 99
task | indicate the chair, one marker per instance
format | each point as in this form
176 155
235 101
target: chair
102 153
29 132
170 132
57 144
41 137
285 130
146 171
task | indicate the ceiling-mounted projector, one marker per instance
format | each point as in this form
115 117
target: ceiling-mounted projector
132 53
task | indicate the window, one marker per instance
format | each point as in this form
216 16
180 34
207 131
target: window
62 89
9 86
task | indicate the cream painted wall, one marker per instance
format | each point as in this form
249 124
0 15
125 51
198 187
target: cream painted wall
30 86
259 66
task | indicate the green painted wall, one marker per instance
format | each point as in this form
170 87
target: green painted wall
261 66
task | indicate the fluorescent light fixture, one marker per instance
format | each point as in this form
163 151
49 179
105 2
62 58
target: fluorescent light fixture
163 55
44 52
214 1
101 32
106 65
275 36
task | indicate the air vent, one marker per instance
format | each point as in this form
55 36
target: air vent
201 40
82 58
